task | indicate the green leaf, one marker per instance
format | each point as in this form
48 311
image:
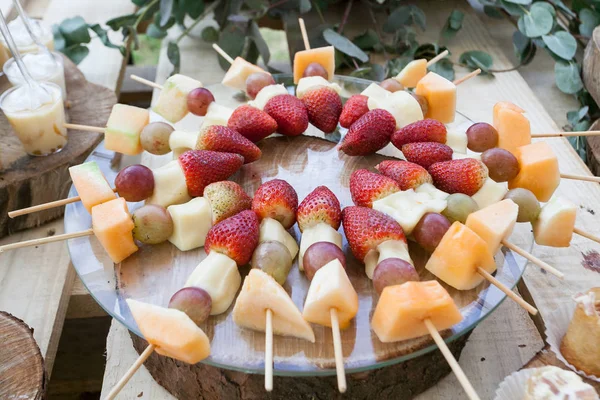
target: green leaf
559 4
155 32
76 52
589 20
373 72
453 24
179 11
344 45
444 68
103 36
75 30
537 22
194 8
210 34
117 23
59 39
546 6
166 10
305 6
524 48
562 43
367 40
477 59
493 12
515 10
567 77
402 16
232 40
260 43
575 116
140 3
521 2
174 56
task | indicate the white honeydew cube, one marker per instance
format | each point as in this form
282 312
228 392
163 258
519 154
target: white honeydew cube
457 141
491 192
266 94
216 114
191 223
182 141
554 226
219 276
172 101
432 191
402 105
271 229
330 288
238 72
376 91
304 84
387 249
408 207
261 292
169 186
460 156
321 232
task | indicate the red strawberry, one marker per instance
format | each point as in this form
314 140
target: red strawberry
459 176
324 107
222 138
355 107
426 153
226 199
203 167
290 114
366 228
252 123
408 175
366 187
320 205
425 130
276 199
236 237
369 133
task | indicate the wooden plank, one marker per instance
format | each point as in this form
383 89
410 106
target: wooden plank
82 304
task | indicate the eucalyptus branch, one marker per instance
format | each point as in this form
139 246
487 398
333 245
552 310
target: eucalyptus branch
206 12
143 13
345 17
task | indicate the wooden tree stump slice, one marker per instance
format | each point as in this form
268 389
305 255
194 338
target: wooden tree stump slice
591 66
25 180
593 149
22 371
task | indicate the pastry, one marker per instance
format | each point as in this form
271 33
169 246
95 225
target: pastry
552 383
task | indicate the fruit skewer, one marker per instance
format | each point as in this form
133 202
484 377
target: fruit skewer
412 73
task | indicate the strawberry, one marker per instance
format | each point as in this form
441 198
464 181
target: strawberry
408 175
226 199
466 175
276 199
366 228
320 205
426 153
366 187
290 114
252 123
425 130
324 107
222 138
236 237
369 133
355 107
203 167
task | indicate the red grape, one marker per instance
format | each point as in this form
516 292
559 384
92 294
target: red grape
198 101
256 81
155 138
481 137
193 301
393 271
422 102
391 85
152 224
315 69
430 229
502 164
273 258
318 254
135 182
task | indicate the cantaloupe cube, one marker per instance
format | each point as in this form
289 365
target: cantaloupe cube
554 226
331 288
539 170
512 126
191 223
124 127
322 55
238 72
170 186
173 333
91 184
113 227
261 292
494 223
401 310
414 71
172 101
457 257
441 97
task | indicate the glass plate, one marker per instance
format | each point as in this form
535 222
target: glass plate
154 273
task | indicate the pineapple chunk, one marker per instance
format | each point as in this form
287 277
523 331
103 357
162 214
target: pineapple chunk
376 91
271 229
555 224
169 185
261 292
172 101
412 73
266 94
319 233
216 115
191 223
460 156
402 105
431 190
238 72
182 141
314 81
494 223
457 141
385 250
491 192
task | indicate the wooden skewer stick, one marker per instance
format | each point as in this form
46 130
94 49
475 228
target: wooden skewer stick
49 239
45 206
222 53
269 352
586 178
565 134
586 235
460 375
97 129
146 82
466 77
519 300
130 372
337 349
304 34
437 58
542 264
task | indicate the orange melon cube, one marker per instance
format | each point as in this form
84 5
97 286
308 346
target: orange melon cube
441 97
554 226
414 71
538 170
91 184
124 127
457 257
402 309
322 55
494 223
113 227
238 72
173 333
513 127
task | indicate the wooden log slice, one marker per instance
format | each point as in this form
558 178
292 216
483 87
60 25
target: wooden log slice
591 65
27 180
398 381
593 150
22 371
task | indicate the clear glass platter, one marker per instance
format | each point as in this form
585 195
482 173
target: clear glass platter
154 273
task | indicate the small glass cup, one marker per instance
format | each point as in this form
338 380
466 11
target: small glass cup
41 131
22 39
54 74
